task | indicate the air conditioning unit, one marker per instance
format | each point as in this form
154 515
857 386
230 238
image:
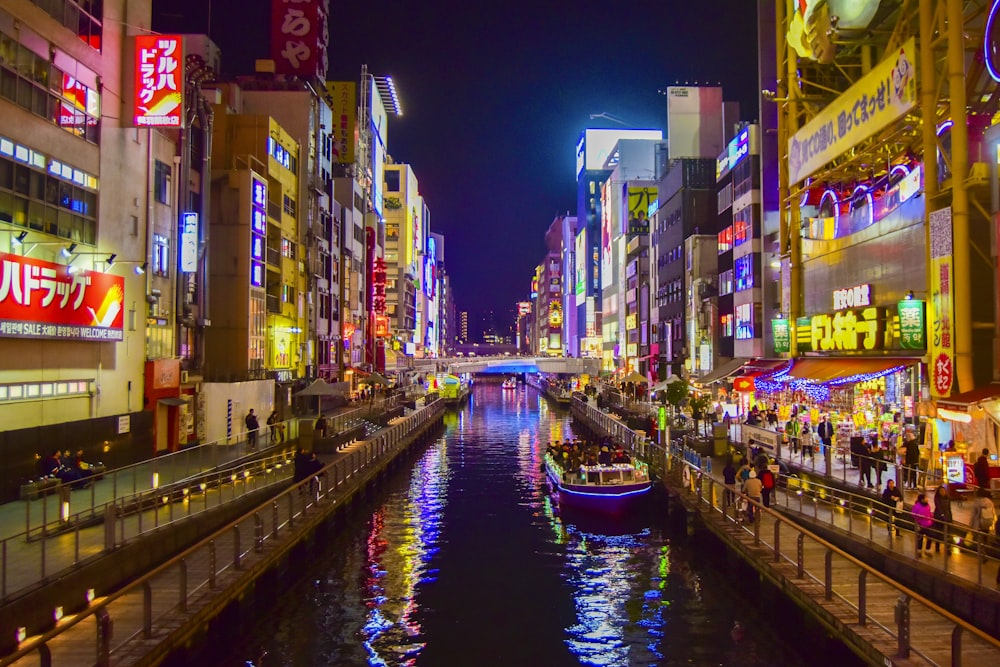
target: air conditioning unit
184 377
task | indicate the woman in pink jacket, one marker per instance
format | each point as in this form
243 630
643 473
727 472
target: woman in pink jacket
923 517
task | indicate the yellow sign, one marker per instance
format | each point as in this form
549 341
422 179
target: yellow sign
887 92
941 305
849 330
342 96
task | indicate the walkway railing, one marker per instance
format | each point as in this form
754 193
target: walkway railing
871 599
25 563
190 580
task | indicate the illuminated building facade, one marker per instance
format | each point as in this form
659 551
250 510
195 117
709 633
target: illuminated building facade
78 365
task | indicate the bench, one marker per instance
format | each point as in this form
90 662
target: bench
36 488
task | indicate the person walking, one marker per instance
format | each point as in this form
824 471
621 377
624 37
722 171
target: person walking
982 469
923 517
892 500
911 459
942 517
253 426
825 433
752 488
729 479
983 516
274 424
767 483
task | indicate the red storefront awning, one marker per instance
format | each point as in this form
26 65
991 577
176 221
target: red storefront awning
962 402
844 369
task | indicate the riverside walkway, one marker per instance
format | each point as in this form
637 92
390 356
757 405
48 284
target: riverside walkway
892 607
155 613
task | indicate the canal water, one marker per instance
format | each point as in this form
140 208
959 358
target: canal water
465 560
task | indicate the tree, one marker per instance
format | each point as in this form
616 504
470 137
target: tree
676 393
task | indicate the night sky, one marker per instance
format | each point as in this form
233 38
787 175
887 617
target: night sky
495 95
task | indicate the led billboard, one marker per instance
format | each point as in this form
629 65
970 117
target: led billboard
596 145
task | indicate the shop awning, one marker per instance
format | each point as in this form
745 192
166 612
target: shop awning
172 400
722 371
962 402
841 371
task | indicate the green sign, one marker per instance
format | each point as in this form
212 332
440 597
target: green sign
782 336
661 419
912 334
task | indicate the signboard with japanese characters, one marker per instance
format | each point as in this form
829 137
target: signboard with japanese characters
159 81
911 324
874 102
343 99
40 299
854 330
782 335
299 37
941 307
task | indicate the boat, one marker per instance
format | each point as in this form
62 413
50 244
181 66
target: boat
609 488
509 383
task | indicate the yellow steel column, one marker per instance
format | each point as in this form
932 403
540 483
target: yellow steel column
928 113
962 328
781 94
794 220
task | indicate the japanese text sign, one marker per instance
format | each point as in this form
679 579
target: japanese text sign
877 99
845 330
40 299
299 37
911 325
159 81
782 335
941 315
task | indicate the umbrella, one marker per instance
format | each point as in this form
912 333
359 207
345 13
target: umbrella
660 386
321 387
375 378
635 377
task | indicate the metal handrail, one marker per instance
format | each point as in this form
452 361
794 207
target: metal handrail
254 475
696 477
367 453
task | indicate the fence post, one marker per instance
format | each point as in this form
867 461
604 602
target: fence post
828 574
800 556
956 646
211 564
863 597
777 541
183 584
105 627
903 627
236 548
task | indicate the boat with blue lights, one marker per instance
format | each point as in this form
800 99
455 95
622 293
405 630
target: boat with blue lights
605 488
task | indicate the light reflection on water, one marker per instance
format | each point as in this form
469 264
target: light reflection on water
466 560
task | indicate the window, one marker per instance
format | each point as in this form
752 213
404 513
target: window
84 17
743 269
726 325
161 255
32 82
744 321
392 181
288 204
287 248
726 282
726 239
46 195
161 182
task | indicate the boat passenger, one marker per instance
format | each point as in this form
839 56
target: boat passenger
604 458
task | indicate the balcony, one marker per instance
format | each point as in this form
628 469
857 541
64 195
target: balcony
273 303
273 257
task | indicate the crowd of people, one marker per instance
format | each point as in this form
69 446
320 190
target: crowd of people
571 454
72 470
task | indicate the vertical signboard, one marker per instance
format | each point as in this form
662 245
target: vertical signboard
343 98
781 331
258 229
942 356
159 81
580 268
189 242
911 325
299 37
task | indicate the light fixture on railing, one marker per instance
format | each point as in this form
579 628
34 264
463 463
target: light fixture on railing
68 250
111 260
141 268
19 239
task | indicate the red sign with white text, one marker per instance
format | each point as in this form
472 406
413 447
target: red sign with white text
299 37
159 81
40 299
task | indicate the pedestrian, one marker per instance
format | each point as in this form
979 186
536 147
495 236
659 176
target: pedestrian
923 517
252 427
983 516
729 479
982 469
274 425
911 459
791 430
942 516
825 433
878 461
320 427
752 489
767 486
806 441
892 500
